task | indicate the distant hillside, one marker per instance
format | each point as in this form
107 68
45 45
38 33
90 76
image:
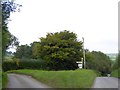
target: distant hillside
112 56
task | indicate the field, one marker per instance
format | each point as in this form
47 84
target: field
62 79
112 56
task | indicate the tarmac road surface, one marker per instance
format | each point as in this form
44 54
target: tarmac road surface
106 82
23 81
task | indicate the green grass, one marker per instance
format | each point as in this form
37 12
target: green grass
116 73
0 80
62 79
4 79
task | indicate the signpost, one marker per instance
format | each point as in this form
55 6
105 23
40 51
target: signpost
79 64
84 62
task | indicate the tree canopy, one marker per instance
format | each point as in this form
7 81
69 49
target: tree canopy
60 50
98 61
117 62
23 51
7 38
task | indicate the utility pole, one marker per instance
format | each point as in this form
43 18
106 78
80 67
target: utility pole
84 62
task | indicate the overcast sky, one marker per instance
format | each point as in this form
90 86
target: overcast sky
95 20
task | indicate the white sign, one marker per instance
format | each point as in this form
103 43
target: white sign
79 64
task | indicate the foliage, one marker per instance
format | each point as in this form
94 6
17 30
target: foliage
60 50
4 79
7 38
98 61
35 47
28 51
16 64
116 73
117 62
32 64
23 51
9 65
63 79
116 67
1 80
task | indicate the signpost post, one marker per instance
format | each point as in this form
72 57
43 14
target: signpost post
84 62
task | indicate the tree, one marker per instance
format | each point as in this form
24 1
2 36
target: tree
7 38
98 61
117 62
35 46
61 50
23 51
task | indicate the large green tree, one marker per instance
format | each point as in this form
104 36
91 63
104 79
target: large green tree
60 50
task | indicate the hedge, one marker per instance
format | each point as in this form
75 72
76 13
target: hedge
23 64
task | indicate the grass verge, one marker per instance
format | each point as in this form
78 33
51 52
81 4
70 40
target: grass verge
4 79
116 73
62 79
0 80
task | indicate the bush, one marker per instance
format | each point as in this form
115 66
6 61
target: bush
32 64
23 64
9 65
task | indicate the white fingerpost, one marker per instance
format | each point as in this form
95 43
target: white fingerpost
79 64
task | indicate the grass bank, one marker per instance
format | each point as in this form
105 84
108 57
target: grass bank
62 79
4 79
0 80
116 73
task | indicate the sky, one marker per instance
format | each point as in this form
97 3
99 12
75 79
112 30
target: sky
95 20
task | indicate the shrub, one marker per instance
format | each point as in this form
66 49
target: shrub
23 64
32 64
9 65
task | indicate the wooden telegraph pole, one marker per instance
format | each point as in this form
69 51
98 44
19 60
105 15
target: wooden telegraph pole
84 62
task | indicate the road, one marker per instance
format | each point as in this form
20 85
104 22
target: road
106 82
23 81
